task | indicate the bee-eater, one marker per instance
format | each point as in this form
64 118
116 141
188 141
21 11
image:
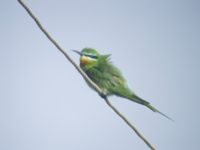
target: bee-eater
108 77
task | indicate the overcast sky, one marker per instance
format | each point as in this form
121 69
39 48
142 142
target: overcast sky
46 105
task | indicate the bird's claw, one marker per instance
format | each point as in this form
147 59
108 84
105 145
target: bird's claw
103 95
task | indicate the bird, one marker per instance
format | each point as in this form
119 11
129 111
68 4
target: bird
108 77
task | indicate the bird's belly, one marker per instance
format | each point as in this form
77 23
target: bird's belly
104 90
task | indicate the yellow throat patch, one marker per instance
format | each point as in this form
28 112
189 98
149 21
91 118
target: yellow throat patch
84 60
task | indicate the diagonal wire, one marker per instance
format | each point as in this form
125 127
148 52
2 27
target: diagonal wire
97 89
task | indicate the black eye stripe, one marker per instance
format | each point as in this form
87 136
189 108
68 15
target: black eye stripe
91 56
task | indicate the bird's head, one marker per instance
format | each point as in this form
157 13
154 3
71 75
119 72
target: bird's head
88 57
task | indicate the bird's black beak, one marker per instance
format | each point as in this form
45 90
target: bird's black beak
77 52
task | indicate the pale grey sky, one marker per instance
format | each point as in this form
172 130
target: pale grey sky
46 105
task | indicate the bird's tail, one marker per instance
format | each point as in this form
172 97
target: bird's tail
156 110
147 104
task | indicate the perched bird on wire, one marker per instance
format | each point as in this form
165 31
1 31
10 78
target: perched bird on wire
108 77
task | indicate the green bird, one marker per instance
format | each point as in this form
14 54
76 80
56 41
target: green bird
108 77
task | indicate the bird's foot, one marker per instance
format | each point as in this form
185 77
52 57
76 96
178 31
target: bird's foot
103 95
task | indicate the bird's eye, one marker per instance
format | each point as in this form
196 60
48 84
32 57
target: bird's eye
91 56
